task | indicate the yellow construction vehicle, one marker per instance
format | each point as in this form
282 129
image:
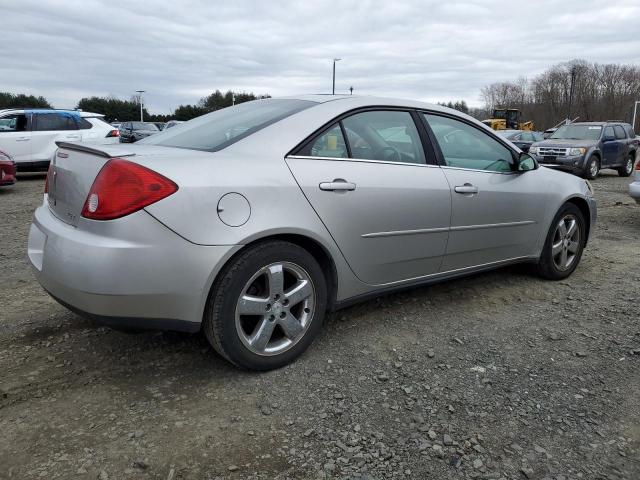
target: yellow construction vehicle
507 119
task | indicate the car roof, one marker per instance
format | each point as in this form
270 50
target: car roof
49 110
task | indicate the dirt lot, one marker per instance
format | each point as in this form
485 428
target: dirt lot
501 375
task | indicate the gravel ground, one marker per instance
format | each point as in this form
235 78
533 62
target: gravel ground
501 375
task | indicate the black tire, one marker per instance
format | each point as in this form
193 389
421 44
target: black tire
627 169
219 323
590 171
546 266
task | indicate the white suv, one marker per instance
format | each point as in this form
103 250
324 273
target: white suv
29 135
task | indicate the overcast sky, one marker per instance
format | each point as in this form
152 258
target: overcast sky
181 50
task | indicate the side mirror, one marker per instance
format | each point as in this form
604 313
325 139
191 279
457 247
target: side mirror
526 162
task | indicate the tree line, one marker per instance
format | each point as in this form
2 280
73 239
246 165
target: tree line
115 109
600 92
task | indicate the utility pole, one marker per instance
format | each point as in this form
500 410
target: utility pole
351 90
333 90
635 109
140 92
233 99
574 71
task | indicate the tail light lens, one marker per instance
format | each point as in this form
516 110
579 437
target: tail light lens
638 166
113 133
124 187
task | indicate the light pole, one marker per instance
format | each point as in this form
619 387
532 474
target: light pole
635 108
140 92
573 72
333 90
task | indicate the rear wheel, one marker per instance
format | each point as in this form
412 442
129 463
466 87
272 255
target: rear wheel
627 169
592 168
267 306
564 244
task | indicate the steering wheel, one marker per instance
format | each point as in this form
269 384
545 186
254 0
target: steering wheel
394 155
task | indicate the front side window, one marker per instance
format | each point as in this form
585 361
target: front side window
464 146
16 122
527 137
216 130
384 135
54 121
608 133
619 132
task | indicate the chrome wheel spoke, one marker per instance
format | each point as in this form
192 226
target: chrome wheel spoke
556 248
563 257
250 305
262 334
301 291
573 225
291 327
276 280
562 228
573 247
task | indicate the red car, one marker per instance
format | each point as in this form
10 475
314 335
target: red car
7 170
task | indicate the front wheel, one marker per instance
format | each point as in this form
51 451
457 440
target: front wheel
592 168
267 306
565 242
627 169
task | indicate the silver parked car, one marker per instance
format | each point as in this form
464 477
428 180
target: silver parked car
634 187
252 222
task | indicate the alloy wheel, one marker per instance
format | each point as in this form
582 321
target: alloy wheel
593 168
275 308
566 242
629 166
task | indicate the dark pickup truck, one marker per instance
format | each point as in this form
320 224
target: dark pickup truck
584 148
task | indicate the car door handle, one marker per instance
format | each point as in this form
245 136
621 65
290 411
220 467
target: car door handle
72 137
22 139
337 185
466 188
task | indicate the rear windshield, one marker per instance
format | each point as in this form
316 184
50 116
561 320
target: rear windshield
578 132
216 130
143 126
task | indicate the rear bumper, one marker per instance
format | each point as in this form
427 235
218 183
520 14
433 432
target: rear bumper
7 173
41 166
130 272
634 190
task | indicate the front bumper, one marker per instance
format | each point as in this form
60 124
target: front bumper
573 164
634 190
132 271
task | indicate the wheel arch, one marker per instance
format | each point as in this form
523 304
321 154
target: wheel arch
583 206
319 251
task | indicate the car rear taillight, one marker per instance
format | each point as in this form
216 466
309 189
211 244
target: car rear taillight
113 133
638 166
124 187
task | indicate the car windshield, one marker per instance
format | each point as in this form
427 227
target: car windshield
143 126
578 132
216 130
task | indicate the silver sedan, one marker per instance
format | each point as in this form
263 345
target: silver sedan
252 222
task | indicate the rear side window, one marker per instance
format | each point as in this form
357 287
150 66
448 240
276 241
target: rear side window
219 129
619 132
54 121
329 144
385 135
464 146
630 131
84 124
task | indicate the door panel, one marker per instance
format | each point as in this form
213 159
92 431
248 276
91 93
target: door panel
392 225
609 147
496 212
48 128
15 136
500 222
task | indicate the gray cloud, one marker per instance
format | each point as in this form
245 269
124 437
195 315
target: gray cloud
181 51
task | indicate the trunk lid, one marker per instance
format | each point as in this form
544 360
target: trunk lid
73 170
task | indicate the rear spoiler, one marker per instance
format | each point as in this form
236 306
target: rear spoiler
106 151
